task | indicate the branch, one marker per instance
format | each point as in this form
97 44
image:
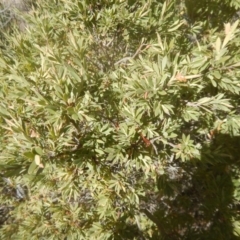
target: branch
129 58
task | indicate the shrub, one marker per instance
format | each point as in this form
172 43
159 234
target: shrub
11 15
119 120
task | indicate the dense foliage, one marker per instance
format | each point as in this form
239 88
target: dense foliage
120 120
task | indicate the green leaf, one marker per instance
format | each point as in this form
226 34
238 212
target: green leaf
38 150
33 166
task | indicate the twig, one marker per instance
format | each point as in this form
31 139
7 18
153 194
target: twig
157 138
129 58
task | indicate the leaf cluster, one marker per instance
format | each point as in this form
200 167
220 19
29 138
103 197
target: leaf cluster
116 125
